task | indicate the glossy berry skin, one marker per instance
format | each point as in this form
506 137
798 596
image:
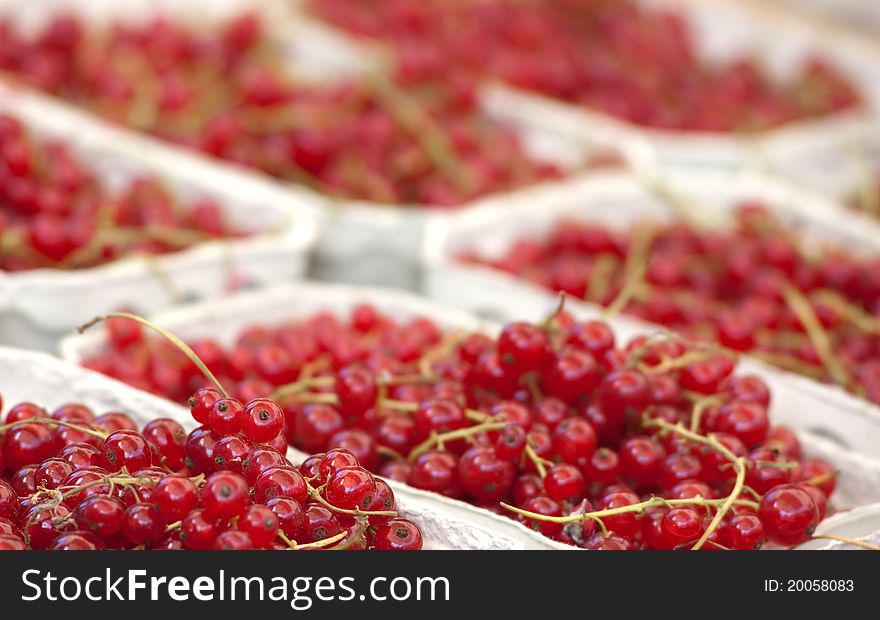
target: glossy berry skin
543 505
382 501
641 459
435 471
80 455
260 523
351 488
26 444
100 515
125 448
398 535
51 473
511 442
224 496
681 526
523 347
259 460
176 496
356 389
169 439
143 524
225 417
333 460
625 524
8 501
199 451
743 531
280 481
318 523
230 453
574 440
290 515
573 374
599 542
746 421
202 402
564 482
624 391
789 514
438 415
233 540
485 476
262 420
44 524
197 531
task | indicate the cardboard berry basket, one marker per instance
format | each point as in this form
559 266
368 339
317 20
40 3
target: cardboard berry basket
48 381
618 202
359 241
857 484
723 30
38 305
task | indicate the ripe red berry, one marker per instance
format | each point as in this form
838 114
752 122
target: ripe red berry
789 514
224 496
175 496
574 440
125 448
100 514
143 524
260 523
485 476
564 482
280 481
197 531
398 535
225 416
202 402
351 488
262 420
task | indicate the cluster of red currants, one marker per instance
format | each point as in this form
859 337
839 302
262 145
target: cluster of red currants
368 139
56 213
754 287
641 64
657 444
73 481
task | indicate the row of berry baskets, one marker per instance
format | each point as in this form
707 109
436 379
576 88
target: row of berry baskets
780 279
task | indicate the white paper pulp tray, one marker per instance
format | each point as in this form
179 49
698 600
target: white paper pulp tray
858 483
619 202
50 382
360 242
37 306
862 523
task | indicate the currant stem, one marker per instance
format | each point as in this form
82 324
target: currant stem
461 433
739 465
316 495
849 541
301 386
537 460
180 344
801 307
54 422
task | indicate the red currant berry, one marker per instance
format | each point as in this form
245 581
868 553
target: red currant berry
143 524
176 496
125 448
398 535
224 496
280 481
100 515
